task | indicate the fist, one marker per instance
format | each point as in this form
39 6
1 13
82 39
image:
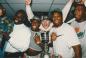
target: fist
37 39
59 56
82 1
27 2
77 29
53 36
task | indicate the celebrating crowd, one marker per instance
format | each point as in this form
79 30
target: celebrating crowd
28 36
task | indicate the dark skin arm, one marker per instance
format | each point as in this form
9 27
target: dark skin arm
77 50
38 41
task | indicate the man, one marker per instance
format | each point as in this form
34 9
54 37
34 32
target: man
81 2
19 39
34 48
80 26
65 40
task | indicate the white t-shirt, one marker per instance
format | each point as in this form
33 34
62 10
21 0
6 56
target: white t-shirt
81 28
80 25
63 44
81 35
19 39
33 45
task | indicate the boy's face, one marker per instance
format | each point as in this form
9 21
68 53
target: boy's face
45 23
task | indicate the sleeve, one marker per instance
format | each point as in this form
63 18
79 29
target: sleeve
66 9
29 12
70 21
71 37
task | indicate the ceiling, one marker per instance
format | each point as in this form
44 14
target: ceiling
37 5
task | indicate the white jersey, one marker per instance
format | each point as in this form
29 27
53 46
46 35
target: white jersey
81 33
67 38
19 39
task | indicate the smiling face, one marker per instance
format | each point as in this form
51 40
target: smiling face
18 19
57 19
35 24
45 23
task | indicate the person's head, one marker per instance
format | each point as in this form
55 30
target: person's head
57 17
45 23
79 11
35 23
19 17
2 11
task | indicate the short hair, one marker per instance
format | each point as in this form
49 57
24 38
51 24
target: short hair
57 11
82 5
3 10
77 4
22 12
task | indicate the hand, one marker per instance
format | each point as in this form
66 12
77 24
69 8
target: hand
27 2
59 56
53 36
37 39
6 36
77 29
82 1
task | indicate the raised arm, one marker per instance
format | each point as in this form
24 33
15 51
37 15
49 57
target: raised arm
28 10
66 9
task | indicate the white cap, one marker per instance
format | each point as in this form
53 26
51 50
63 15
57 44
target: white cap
36 17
